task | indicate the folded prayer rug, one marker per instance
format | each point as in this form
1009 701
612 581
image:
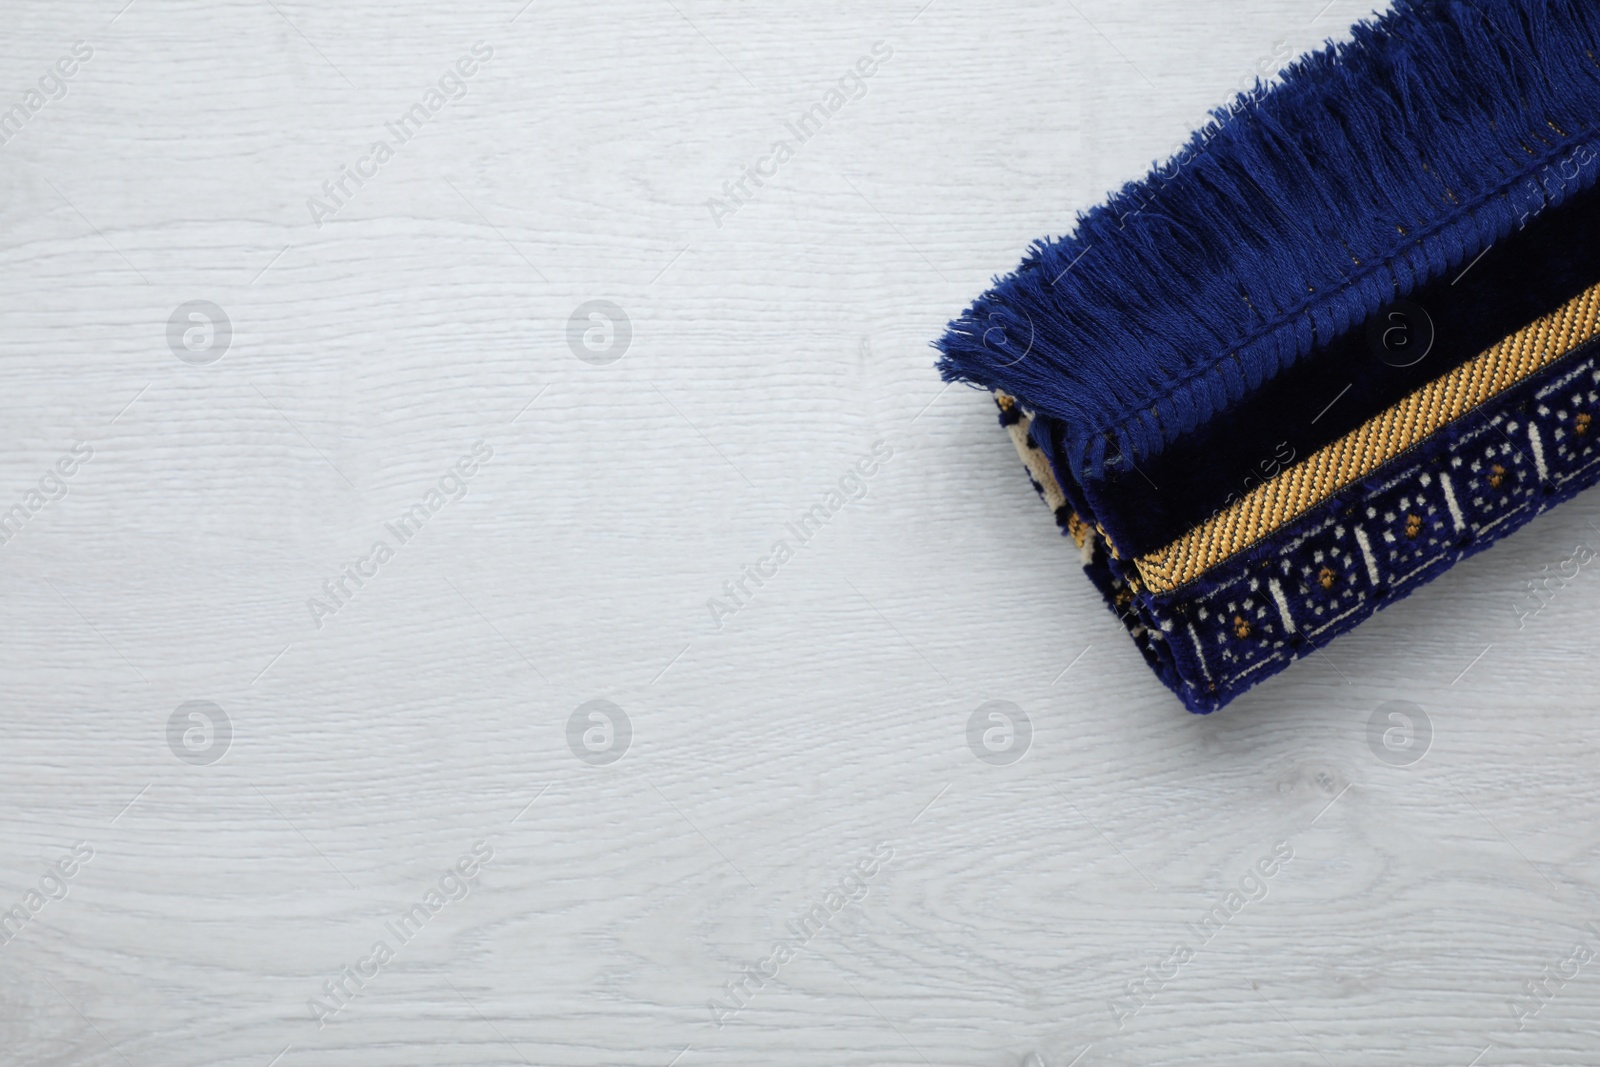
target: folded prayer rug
1347 336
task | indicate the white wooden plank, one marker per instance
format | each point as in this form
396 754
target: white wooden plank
767 756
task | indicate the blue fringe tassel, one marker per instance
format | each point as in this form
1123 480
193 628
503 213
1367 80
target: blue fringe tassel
1370 168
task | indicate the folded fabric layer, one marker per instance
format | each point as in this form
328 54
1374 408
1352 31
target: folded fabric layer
1343 340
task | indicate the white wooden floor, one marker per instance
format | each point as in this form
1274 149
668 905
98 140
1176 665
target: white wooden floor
194 882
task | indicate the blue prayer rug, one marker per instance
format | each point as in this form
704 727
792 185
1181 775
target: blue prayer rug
1348 336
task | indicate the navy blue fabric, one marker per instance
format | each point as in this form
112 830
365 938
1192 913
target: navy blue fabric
1523 277
1372 168
1499 466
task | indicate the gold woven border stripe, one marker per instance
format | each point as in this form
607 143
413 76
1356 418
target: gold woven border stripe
1363 450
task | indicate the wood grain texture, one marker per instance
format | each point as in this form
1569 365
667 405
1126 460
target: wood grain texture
767 756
